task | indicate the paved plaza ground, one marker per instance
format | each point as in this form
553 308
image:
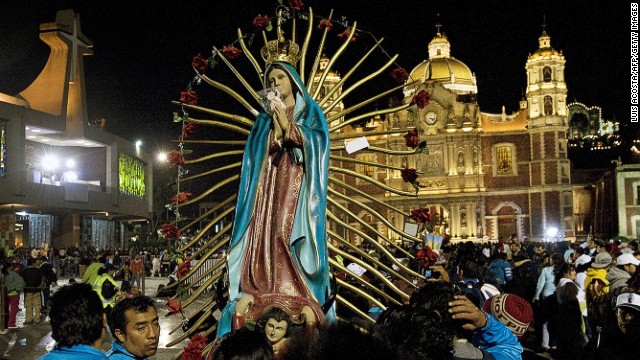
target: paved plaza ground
31 341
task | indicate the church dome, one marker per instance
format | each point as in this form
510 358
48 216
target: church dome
545 49
452 73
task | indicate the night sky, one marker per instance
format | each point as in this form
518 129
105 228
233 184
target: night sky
143 51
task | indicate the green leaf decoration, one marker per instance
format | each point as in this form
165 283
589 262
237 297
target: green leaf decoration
177 117
212 62
269 26
185 152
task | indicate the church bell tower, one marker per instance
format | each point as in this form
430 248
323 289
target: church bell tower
550 195
546 88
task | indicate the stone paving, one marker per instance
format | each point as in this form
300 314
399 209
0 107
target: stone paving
31 341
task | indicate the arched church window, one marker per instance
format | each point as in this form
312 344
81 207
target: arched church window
548 105
546 74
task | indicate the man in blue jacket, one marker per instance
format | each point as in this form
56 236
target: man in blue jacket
78 324
135 328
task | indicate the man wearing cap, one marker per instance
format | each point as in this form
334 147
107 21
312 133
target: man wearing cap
598 268
581 265
619 275
511 310
599 296
629 262
622 342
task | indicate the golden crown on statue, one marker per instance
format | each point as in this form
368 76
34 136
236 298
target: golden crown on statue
281 49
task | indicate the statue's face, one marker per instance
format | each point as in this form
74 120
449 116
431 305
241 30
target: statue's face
275 330
279 80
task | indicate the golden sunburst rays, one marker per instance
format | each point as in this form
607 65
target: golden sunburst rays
369 115
372 181
346 76
305 45
248 53
334 58
239 76
231 92
374 242
371 260
361 104
225 115
316 61
344 199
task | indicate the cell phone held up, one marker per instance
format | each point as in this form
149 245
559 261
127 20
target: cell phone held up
430 274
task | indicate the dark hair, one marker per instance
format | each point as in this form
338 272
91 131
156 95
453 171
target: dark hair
344 341
118 320
470 269
77 316
560 270
433 295
278 315
244 344
415 333
101 271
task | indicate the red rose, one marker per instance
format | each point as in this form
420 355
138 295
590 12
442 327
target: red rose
427 256
420 216
183 269
189 97
411 138
170 231
409 175
193 350
421 99
181 197
231 52
174 306
200 64
296 4
188 130
325 23
260 22
399 75
175 158
346 34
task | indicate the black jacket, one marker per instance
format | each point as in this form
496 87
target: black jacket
33 279
47 271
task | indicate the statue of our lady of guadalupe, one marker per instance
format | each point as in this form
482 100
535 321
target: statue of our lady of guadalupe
277 254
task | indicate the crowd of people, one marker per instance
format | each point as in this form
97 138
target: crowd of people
489 301
481 301
32 274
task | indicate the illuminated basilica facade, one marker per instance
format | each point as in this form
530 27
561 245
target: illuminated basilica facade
485 176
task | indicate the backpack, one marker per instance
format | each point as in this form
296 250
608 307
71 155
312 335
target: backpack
599 309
